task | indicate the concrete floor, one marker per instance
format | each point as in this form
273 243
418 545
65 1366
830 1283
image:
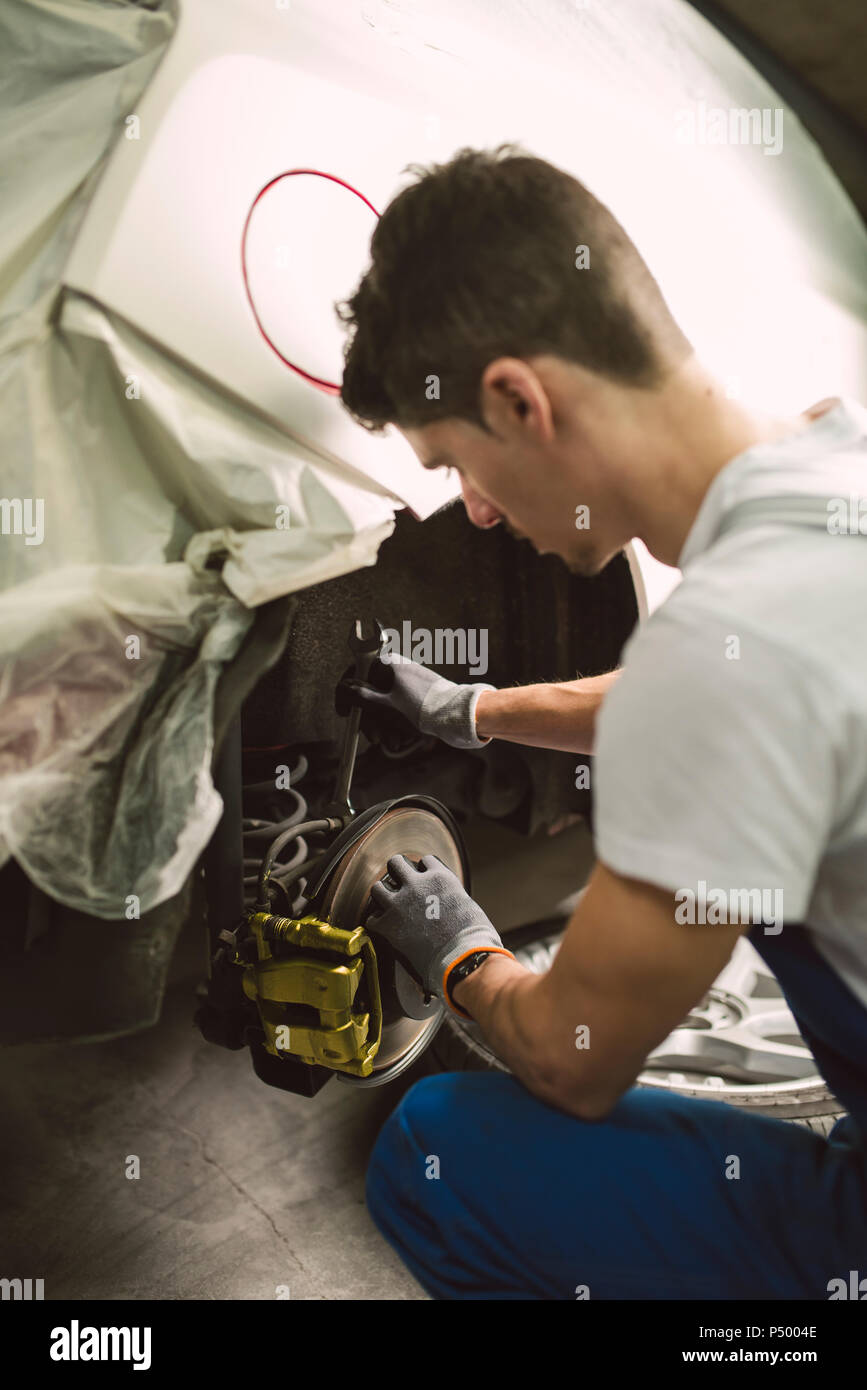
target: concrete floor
243 1188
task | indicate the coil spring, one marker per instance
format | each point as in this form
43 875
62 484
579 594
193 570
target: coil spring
278 809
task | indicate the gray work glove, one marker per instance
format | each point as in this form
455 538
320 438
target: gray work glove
431 703
430 921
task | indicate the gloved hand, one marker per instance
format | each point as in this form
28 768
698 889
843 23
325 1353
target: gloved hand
432 704
430 921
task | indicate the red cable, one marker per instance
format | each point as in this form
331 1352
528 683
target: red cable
331 388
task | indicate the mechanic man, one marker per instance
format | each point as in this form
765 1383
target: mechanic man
730 760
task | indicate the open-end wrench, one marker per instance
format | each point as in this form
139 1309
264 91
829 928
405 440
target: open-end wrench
365 642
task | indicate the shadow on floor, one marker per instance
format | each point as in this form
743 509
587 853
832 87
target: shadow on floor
243 1188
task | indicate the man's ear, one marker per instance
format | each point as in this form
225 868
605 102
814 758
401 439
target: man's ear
510 391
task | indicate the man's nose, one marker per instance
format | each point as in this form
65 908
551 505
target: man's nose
480 512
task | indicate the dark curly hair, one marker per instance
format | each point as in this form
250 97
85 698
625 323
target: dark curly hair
477 260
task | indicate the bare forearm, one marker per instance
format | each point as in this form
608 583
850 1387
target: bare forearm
560 716
509 1004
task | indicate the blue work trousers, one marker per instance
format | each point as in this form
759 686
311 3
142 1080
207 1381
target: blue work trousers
486 1192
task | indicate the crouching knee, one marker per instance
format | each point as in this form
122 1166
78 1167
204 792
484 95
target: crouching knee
407 1152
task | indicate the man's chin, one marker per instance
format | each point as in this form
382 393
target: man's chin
587 565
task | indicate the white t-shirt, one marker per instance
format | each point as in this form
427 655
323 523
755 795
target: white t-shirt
732 751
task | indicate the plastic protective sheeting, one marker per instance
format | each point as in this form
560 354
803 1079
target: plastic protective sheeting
164 473
142 507
108 796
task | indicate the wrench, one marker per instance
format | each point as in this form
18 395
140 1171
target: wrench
365 642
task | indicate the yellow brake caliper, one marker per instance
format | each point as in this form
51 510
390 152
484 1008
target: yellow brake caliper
305 983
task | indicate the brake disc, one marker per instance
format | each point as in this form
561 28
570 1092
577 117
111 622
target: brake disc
409 1022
